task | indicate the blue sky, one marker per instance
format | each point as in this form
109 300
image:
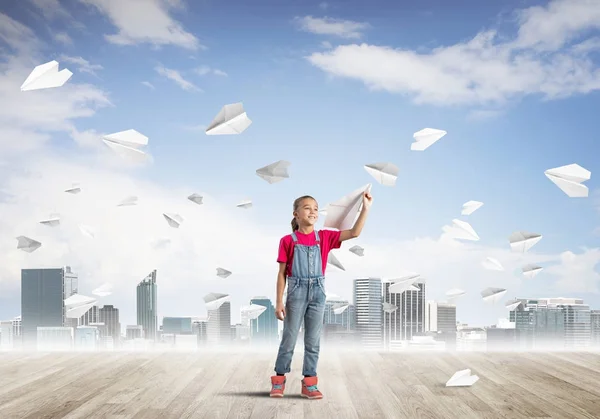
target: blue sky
330 108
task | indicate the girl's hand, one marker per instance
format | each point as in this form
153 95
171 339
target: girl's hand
280 311
367 200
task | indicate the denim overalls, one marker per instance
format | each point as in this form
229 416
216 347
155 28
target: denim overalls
305 301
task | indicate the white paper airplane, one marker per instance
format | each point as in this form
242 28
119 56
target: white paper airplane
389 308
461 230
253 311
274 172
401 285
87 231
384 173
77 305
127 144
511 305
569 179
245 204
214 300
75 189
196 198
470 207
130 200
343 213
357 250
462 379
531 270
339 308
454 293
103 290
27 245
232 119
333 260
425 138
46 76
492 295
52 221
492 264
223 273
522 241
174 220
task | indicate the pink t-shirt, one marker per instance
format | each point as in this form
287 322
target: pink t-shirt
330 239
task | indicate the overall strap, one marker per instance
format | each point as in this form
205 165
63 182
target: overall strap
294 237
317 237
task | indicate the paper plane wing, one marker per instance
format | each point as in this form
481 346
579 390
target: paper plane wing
223 273
27 245
127 152
232 119
492 264
196 198
274 172
342 213
531 270
357 250
492 295
522 241
130 138
46 76
425 138
339 308
384 173
462 379
470 207
333 260
174 220
245 204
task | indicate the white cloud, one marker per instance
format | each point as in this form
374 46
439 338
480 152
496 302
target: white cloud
323 5
155 25
28 119
63 38
329 26
82 64
576 273
148 84
175 76
51 9
483 70
204 70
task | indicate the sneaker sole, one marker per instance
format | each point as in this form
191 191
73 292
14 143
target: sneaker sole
311 398
277 395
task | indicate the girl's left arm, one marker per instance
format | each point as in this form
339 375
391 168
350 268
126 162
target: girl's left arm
355 231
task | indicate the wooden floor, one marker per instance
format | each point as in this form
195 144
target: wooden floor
355 385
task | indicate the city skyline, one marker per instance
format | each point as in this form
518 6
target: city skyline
311 103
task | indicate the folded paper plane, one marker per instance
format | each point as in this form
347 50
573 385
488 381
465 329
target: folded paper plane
339 308
46 76
462 379
127 144
130 200
357 250
384 173
531 270
232 119
196 198
77 305
27 245
522 241
461 230
223 273
74 189
52 221
492 295
511 305
253 311
274 172
245 204
401 285
333 260
174 220
492 264
342 213
214 300
569 179
425 138
470 207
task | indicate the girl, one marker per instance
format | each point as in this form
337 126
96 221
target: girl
302 260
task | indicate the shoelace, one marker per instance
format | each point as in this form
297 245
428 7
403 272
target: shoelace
277 386
312 388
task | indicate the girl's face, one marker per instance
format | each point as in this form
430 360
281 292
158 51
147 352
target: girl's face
307 212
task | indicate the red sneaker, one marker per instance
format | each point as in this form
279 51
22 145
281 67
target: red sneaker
277 385
309 388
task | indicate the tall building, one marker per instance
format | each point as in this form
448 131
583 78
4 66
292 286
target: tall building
264 328
546 322
147 310
43 292
440 317
109 315
409 318
367 301
595 327
218 331
177 325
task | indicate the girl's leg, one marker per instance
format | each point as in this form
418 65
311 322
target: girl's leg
295 308
313 324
